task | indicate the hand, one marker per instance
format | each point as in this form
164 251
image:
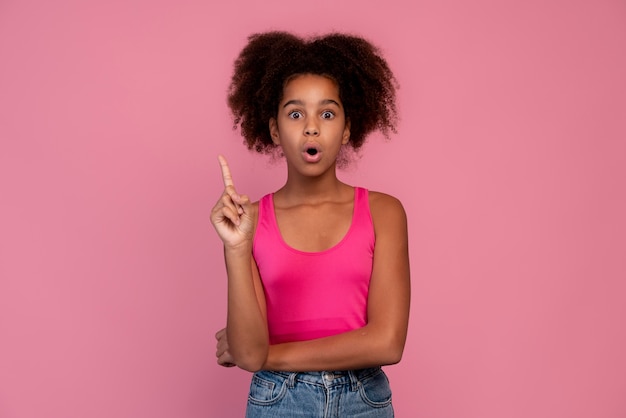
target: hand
232 216
223 355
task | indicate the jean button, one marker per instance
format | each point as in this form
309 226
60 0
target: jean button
328 376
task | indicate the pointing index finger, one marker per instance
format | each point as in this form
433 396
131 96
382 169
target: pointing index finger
226 176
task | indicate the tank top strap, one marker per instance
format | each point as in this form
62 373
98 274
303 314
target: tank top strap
266 221
362 213
266 208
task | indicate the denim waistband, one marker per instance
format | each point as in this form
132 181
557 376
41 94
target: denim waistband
328 378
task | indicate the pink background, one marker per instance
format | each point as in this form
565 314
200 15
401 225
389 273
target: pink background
510 160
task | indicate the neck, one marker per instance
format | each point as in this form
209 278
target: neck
302 189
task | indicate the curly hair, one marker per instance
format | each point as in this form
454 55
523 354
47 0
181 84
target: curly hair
367 87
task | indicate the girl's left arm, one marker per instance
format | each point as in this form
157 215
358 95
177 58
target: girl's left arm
381 341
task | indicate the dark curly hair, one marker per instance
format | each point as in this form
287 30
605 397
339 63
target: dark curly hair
367 87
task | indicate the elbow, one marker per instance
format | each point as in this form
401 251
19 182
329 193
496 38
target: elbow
250 366
392 350
248 351
251 360
394 355
386 345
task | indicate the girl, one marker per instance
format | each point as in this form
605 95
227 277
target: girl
318 271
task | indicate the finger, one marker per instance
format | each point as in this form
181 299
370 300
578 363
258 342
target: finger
227 211
226 364
226 176
220 333
232 199
226 360
228 181
221 348
241 202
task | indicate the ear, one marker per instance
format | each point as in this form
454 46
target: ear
346 133
274 131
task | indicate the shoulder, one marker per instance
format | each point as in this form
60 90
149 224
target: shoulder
387 212
382 203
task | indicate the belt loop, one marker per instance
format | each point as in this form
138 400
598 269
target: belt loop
291 380
354 381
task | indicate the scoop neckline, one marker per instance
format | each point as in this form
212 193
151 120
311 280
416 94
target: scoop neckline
332 248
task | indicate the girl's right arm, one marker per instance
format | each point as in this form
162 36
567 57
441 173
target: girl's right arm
234 219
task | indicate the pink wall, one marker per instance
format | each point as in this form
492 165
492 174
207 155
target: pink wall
510 160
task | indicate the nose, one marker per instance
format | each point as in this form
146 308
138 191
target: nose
311 130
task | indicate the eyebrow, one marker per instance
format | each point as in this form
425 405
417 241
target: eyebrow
322 102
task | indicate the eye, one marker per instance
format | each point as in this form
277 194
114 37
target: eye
327 114
295 114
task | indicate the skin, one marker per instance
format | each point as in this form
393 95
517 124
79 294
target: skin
313 211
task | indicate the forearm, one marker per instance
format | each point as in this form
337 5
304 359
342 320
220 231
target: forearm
246 326
369 346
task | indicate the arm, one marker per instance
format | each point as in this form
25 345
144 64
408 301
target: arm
246 323
234 218
381 341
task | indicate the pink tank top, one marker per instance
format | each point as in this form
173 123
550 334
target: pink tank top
315 294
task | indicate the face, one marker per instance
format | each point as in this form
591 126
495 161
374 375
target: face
310 125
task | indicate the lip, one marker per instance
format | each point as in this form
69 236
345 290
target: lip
311 152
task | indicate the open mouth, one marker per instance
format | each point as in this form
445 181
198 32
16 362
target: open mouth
312 153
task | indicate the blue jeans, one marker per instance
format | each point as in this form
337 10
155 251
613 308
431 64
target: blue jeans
357 393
